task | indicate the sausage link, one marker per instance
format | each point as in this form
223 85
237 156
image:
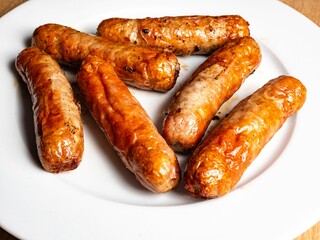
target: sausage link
219 162
57 120
213 83
139 66
127 126
182 35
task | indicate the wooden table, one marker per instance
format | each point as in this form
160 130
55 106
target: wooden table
310 8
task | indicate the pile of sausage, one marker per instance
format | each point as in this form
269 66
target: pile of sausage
143 53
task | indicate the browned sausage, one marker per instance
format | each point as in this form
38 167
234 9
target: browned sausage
213 83
183 35
57 120
218 163
127 126
138 66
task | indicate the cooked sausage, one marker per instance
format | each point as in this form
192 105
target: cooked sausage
213 83
127 126
219 162
182 35
57 121
138 66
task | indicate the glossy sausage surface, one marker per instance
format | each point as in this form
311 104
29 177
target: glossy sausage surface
212 83
182 35
218 163
127 126
57 120
139 66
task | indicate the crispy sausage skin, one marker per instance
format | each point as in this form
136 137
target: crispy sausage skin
182 35
219 162
58 127
212 83
139 66
127 126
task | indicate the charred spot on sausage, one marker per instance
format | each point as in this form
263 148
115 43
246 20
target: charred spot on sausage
197 49
216 117
39 132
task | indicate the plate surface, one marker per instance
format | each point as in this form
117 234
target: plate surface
277 198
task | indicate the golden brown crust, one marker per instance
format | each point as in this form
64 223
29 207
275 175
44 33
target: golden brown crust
182 35
58 126
138 66
212 83
219 162
127 126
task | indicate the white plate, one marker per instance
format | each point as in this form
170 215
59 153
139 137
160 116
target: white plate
277 198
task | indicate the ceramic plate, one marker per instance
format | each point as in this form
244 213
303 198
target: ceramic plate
277 198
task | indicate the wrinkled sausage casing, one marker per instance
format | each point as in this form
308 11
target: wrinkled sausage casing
212 83
182 35
139 66
219 162
57 120
127 126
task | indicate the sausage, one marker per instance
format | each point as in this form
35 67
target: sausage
57 120
219 162
182 35
127 126
139 66
211 84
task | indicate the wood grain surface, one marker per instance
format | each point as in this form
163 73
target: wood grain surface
309 8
